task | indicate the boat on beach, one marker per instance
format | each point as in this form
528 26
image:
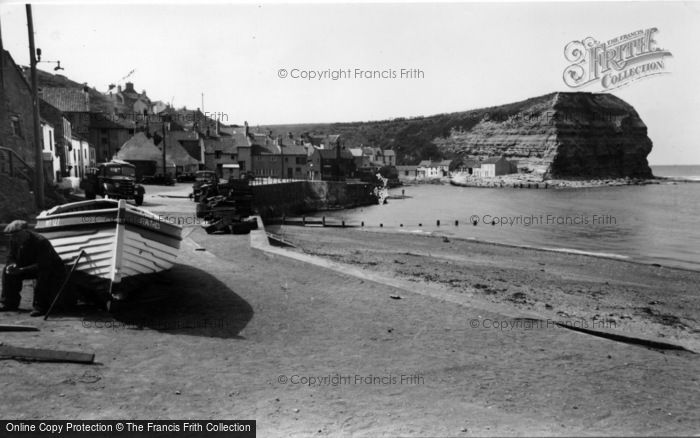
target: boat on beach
459 178
119 242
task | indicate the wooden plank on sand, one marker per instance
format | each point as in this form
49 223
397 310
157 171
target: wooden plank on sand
18 328
44 355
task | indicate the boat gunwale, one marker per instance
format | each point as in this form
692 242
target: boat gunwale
176 232
129 209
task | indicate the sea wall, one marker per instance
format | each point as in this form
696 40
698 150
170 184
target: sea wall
307 196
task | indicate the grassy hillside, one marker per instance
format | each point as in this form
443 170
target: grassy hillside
411 138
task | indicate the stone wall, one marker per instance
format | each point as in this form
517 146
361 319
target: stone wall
16 200
307 196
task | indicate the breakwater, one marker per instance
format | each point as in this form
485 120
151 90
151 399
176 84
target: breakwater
309 196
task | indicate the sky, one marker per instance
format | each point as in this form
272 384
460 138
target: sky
468 55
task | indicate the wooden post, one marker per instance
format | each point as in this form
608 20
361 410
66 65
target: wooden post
38 155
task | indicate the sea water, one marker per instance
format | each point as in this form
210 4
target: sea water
656 223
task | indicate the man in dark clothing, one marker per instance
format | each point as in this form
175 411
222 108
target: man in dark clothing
31 256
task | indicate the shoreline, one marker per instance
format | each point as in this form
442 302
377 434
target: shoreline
616 257
525 182
311 224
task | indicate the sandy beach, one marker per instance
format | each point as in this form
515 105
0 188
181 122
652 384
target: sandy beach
650 301
420 337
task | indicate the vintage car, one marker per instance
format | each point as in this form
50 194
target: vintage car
115 179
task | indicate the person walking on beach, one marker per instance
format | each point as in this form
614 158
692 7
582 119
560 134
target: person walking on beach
31 256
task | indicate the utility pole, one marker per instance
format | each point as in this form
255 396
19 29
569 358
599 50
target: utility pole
38 155
164 168
337 160
281 158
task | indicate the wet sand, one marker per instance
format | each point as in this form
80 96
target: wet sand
648 301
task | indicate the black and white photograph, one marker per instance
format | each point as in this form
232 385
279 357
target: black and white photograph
335 219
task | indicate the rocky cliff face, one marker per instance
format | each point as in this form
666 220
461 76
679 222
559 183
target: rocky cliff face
559 135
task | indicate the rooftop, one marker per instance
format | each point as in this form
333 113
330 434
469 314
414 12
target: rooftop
70 100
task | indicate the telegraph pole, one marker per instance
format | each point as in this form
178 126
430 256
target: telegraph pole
337 160
164 168
281 158
38 152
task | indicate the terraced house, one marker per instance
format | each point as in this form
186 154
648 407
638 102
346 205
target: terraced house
16 114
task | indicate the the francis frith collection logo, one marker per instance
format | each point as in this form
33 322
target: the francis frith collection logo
616 62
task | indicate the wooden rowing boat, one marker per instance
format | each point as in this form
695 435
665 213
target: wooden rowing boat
121 242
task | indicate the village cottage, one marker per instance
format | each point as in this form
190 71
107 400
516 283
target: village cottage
488 168
62 134
52 161
433 169
407 173
16 113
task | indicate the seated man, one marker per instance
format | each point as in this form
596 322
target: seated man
31 256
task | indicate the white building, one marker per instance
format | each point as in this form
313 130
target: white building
495 166
433 169
79 158
52 161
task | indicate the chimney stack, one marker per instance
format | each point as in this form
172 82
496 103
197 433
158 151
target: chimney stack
246 128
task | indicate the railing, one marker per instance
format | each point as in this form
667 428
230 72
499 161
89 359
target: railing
13 165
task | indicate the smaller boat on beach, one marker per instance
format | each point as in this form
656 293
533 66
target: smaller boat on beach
118 242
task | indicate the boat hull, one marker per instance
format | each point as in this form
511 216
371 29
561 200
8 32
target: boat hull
118 241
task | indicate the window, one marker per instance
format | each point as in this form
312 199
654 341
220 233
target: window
301 160
233 156
51 141
119 170
217 154
16 126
